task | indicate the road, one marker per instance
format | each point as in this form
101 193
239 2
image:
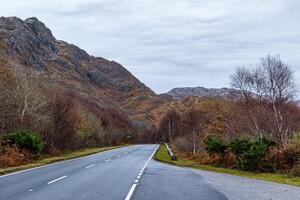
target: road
119 174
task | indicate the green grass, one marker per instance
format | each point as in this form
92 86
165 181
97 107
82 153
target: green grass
163 156
48 160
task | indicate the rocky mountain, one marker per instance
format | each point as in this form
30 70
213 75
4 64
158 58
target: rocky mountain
181 93
29 47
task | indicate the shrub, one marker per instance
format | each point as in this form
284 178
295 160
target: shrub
251 154
27 139
289 157
215 145
239 146
13 156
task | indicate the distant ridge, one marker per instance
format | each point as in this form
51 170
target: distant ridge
183 92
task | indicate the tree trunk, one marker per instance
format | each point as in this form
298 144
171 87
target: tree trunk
170 132
194 143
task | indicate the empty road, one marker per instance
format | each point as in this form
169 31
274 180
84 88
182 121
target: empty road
121 174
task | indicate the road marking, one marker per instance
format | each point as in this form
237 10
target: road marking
108 160
30 190
56 163
56 180
140 174
90 166
130 193
125 153
118 156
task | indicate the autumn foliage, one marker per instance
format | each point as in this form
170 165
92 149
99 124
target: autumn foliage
252 129
34 114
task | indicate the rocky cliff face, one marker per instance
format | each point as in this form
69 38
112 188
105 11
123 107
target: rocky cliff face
28 46
181 93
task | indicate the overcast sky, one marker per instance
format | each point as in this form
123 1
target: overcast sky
173 43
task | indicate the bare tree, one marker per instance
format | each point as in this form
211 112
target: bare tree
271 84
195 122
278 89
243 81
30 99
171 125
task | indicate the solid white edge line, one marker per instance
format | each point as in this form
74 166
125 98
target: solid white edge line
130 193
50 182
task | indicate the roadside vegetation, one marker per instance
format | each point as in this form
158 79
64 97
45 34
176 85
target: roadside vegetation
255 129
38 119
163 156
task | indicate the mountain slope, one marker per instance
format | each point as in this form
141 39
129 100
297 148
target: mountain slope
29 47
181 93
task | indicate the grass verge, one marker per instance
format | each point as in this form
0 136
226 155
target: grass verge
49 160
163 156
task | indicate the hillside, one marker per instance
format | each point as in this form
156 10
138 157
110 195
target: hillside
29 47
181 93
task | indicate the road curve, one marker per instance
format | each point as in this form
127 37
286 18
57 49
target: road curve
121 174
107 175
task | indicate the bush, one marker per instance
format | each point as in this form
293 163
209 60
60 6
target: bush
215 145
27 139
251 154
289 157
13 156
239 146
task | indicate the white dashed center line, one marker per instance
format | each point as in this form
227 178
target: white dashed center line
90 166
56 180
107 160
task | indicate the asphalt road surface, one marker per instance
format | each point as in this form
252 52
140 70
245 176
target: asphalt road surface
122 174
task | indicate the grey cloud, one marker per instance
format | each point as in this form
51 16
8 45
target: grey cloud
174 43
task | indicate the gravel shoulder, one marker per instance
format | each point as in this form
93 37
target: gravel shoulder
241 188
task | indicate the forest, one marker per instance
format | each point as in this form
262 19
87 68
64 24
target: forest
256 128
36 119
